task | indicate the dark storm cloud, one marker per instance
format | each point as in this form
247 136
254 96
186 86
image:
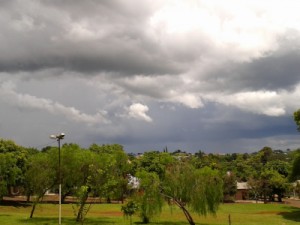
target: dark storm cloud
274 72
89 36
208 75
211 129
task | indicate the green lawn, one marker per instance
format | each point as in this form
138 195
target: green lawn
100 214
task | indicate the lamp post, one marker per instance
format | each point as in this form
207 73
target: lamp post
58 138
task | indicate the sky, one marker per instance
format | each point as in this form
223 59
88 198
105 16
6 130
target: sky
211 75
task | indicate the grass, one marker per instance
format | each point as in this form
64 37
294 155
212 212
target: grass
102 214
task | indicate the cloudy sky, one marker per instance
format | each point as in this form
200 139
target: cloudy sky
220 76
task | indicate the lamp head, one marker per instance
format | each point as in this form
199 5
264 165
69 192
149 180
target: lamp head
58 137
53 136
61 136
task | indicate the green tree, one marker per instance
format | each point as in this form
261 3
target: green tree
115 167
9 172
297 119
295 173
148 196
129 209
229 186
72 162
13 165
278 184
85 182
198 189
268 184
280 166
153 161
40 177
81 208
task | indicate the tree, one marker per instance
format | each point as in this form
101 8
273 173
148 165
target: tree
265 154
9 172
148 196
280 166
116 166
85 182
72 158
297 119
81 209
153 161
295 174
198 189
13 162
296 164
268 184
129 209
40 177
278 184
229 186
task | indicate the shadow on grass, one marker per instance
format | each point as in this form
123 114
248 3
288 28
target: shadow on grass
69 221
16 204
176 223
293 214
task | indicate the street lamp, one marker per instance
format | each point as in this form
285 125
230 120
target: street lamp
58 138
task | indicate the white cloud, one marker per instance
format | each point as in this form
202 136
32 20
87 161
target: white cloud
138 111
246 29
188 99
260 102
9 94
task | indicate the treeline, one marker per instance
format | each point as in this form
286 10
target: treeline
197 181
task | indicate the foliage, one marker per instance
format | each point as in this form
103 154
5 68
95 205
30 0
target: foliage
153 162
13 161
199 189
113 171
9 172
129 209
297 119
148 196
81 209
180 176
297 189
40 177
269 184
295 174
229 186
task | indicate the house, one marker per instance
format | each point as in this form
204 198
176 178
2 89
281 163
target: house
242 191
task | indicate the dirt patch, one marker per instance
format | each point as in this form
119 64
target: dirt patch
53 198
292 202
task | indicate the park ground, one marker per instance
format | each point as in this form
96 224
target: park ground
287 213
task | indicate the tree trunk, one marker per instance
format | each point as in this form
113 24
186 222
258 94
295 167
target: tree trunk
80 211
185 211
32 210
63 197
35 202
279 198
28 197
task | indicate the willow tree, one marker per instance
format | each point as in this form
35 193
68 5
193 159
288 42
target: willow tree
148 196
296 164
297 119
198 190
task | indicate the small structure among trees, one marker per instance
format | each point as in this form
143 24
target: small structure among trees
242 191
